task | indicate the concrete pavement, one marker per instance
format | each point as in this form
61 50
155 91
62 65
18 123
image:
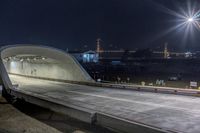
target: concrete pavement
14 121
170 112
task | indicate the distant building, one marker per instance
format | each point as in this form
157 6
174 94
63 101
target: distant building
188 55
117 55
88 56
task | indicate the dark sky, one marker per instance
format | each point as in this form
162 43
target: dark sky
126 24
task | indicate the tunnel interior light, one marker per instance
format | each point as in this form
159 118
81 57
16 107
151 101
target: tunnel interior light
13 65
21 60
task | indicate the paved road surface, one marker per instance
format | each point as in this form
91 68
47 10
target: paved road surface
170 112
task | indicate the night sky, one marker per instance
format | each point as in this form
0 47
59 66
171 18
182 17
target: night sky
73 24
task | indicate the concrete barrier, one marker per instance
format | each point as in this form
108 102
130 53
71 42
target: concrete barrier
74 111
125 126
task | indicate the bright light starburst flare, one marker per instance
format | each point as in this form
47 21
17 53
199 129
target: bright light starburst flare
187 18
190 19
193 20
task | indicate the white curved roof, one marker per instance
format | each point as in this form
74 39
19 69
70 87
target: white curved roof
74 69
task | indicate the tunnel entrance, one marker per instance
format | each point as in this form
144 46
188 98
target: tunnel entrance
40 62
36 66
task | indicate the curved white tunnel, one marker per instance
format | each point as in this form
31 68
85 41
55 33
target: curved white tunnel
39 61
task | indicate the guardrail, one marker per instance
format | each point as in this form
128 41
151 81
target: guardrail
53 104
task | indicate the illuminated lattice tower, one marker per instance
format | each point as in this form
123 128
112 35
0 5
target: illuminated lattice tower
166 52
98 50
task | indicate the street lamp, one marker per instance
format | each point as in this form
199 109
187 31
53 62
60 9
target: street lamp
187 19
190 20
194 21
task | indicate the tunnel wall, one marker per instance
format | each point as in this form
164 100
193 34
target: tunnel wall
34 69
69 69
